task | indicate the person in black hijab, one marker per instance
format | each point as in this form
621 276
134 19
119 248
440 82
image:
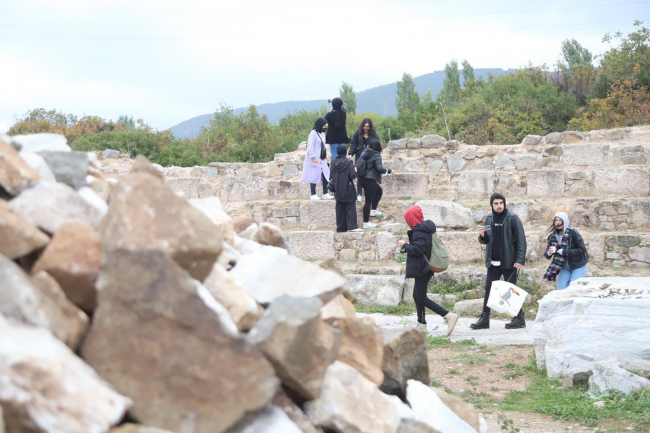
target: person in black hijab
337 133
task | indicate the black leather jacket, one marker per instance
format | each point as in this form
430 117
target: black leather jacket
513 248
357 145
577 255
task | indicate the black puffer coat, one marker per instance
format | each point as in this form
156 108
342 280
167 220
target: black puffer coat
358 144
375 167
343 173
418 247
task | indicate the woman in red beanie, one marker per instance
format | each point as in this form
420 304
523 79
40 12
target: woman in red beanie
417 248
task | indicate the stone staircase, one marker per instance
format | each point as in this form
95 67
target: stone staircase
600 178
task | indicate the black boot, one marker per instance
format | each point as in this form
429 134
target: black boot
517 322
483 321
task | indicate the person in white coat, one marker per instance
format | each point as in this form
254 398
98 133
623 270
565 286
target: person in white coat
316 169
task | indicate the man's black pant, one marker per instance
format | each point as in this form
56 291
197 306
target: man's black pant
421 299
346 216
494 273
373 195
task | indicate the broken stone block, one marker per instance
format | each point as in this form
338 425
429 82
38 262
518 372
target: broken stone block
377 289
621 374
47 389
70 168
405 358
429 408
270 272
18 237
298 343
178 228
15 174
157 324
225 288
73 258
50 205
39 302
351 403
446 214
269 234
361 346
270 419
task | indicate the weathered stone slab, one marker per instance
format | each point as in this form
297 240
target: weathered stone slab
319 214
186 187
397 144
622 182
430 409
41 142
18 237
15 174
177 337
429 141
270 273
470 307
361 346
144 213
351 403
545 183
446 214
386 245
405 358
73 259
463 246
212 208
377 289
525 162
503 162
585 155
620 374
242 189
455 164
297 342
309 245
532 140
476 183
36 161
47 388
572 136
400 185
570 333
70 168
50 205
39 302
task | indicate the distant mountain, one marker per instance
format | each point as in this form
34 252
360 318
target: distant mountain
380 100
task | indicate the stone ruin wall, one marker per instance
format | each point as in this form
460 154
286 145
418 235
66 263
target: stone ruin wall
600 178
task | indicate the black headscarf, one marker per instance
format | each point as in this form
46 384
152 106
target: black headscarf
337 104
318 125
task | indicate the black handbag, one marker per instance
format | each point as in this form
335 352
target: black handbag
330 187
323 151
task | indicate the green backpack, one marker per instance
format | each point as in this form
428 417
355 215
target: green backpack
439 260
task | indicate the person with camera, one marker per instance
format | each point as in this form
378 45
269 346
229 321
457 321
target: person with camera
370 172
343 174
417 250
505 254
315 170
360 138
567 250
337 132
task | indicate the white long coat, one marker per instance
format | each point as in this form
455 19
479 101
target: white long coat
311 173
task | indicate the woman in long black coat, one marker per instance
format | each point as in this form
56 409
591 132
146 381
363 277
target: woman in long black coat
343 173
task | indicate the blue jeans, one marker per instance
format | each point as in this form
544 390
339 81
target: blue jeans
333 147
566 276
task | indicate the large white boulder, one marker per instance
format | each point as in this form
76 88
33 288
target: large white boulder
446 214
594 319
377 289
620 374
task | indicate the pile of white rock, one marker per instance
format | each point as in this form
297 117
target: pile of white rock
120 300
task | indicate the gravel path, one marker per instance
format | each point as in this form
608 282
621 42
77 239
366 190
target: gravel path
497 334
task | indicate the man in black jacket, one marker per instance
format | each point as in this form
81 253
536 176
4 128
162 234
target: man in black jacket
505 255
343 173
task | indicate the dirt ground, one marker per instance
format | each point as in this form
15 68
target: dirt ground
489 373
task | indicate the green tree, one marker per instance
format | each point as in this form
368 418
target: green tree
127 122
469 80
618 64
451 89
349 97
407 100
575 54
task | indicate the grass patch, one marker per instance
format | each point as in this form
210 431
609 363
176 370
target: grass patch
404 198
471 359
480 400
400 259
435 384
552 397
402 309
472 380
443 341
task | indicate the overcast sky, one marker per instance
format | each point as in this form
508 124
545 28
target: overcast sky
169 60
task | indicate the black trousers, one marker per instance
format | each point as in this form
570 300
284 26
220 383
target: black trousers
494 273
373 195
346 216
421 299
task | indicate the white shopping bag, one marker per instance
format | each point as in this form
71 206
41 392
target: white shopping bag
506 298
